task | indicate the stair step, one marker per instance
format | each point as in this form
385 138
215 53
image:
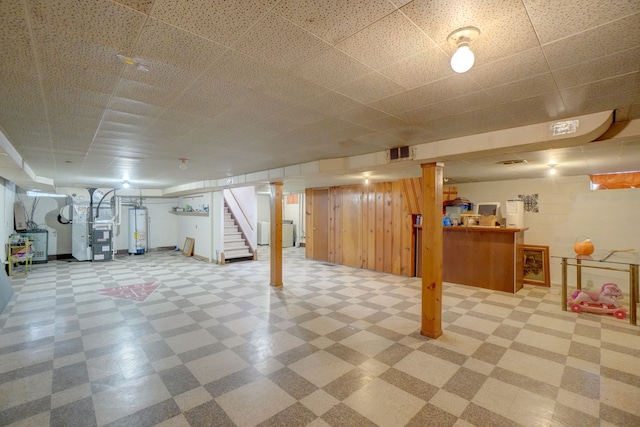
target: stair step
236 254
237 243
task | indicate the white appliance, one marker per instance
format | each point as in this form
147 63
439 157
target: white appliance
137 231
80 248
515 214
287 235
264 231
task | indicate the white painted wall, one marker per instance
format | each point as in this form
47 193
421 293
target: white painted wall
569 210
7 198
162 224
264 207
196 227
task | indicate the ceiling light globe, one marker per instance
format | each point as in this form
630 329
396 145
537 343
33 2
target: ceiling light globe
125 185
462 60
552 171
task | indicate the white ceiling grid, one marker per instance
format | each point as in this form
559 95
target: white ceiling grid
251 85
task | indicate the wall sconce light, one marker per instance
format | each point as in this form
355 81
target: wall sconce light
463 59
183 163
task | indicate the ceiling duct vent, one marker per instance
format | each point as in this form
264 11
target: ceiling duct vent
512 162
399 153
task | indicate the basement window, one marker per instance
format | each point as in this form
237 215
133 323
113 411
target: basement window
615 181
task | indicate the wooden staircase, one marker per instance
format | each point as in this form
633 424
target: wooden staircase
236 247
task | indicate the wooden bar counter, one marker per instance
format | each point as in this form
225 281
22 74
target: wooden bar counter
484 257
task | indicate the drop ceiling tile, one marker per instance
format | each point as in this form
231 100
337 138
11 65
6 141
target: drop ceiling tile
422 115
302 115
101 23
537 109
136 108
579 103
447 88
289 88
386 42
510 69
504 25
427 66
364 114
624 84
526 88
143 93
140 5
331 68
184 53
332 103
334 20
558 19
466 103
601 41
221 21
370 88
599 69
504 37
278 42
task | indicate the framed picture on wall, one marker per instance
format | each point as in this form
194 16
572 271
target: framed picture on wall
536 265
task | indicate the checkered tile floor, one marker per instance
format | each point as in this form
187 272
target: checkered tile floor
217 346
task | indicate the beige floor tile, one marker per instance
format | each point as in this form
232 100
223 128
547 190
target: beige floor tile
366 343
254 403
620 395
449 402
496 396
427 368
543 341
533 367
580 403
192 398
127 399
190 341
384 404
216 366
319 402
321 368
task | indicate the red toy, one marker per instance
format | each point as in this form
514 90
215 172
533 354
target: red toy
604 302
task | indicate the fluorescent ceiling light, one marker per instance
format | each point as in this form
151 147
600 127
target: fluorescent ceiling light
39 194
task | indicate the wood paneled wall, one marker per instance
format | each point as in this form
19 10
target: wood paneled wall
370 226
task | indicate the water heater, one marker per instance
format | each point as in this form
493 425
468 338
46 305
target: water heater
515 214
137 230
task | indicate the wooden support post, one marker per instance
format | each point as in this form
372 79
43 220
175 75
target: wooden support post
275 241
432 250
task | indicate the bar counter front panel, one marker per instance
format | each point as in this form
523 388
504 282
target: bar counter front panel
483 257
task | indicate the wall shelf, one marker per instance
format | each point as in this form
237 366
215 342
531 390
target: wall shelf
190 213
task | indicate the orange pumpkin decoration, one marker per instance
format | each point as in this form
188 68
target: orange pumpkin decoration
584 248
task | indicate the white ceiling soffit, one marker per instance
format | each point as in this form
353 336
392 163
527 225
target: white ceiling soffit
349 170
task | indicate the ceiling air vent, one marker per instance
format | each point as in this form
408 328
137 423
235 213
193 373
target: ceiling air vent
512 162
399 153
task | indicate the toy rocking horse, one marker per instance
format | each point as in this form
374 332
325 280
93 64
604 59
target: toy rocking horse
605 301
